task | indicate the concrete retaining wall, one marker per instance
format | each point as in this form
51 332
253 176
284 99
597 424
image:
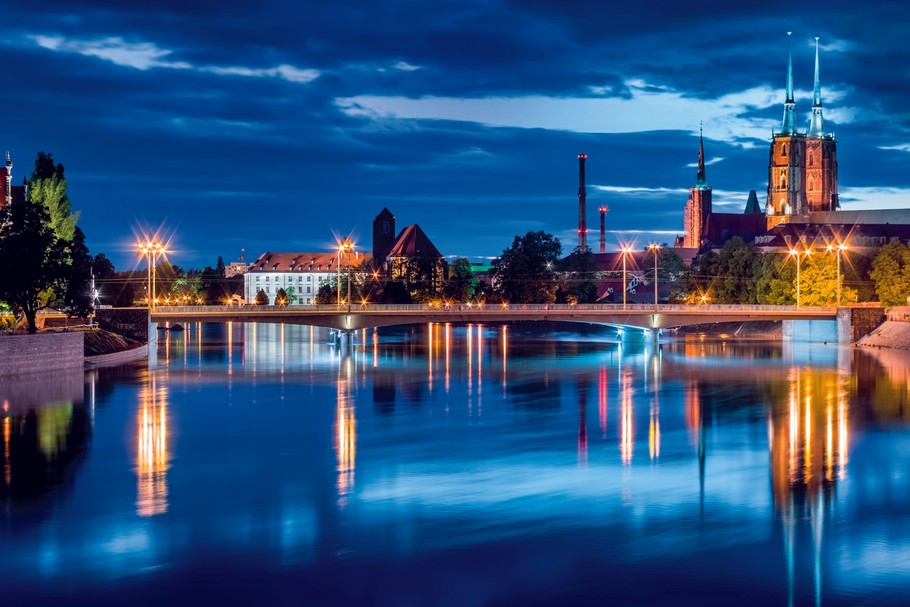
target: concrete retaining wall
814 331
21 354
132 322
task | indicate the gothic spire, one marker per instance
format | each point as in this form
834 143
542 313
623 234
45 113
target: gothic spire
817 125
788 125
700 180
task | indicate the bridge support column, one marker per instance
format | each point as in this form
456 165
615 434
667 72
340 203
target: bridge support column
811 331
343 340
153 344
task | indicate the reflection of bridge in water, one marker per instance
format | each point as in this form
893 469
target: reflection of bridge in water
353 318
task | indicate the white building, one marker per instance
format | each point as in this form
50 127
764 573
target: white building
299 274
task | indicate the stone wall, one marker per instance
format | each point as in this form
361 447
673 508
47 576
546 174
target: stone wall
42 352
131 322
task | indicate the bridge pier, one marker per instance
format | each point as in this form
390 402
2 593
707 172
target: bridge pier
152 344
343 340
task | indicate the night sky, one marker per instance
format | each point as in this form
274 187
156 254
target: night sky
276 125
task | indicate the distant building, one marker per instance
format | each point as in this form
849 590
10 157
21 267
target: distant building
698 207
412 254
383 236
299 274
11 193
236 268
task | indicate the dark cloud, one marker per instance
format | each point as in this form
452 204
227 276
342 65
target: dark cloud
222 119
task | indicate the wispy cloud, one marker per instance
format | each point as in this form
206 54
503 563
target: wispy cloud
404 66
707 162
138 55
900 147
729 117
147 55
641 191
875 197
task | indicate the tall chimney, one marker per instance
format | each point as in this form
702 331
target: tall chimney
582 199
603 230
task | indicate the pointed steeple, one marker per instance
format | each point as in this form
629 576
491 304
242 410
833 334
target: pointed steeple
700 181
817 125
788 125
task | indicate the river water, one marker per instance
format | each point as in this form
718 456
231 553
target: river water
459 465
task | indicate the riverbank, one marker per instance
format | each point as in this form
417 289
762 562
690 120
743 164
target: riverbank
894 333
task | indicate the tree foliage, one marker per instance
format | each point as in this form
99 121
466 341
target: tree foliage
461 282
891 274
261 298
33 261
524 273
578 274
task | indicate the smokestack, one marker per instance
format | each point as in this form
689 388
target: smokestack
582 200
603 230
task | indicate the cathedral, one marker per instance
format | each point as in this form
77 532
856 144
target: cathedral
802 181
802 171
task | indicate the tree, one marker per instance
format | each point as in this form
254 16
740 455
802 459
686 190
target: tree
281 297
818 282
261 298
775 277
327 293
579 275
33 261
461 282
51 192
524 273
77 298
891 273
726 276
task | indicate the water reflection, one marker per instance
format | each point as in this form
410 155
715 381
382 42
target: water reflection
152 447
663 466
46 428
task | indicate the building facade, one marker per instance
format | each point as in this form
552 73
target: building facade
10 193
299 274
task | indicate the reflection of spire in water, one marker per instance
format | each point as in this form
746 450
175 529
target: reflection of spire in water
151 449
582 423
602 400
470 367
654 431
505 355
626 429
448 346
345 430
430 327
807 458
479 369
7 435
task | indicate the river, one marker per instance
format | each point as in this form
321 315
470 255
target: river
460 465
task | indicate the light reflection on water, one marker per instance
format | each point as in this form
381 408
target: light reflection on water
494 465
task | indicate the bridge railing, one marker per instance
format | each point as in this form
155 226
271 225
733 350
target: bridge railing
487 308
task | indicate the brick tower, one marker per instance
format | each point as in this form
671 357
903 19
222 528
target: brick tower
698 207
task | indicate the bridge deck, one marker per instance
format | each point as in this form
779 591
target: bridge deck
377 315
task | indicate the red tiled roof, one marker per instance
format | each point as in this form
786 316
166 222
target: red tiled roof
306 262
413 242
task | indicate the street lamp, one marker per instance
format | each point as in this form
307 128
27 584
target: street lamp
152 250
837 251
795 253
625 251
655 248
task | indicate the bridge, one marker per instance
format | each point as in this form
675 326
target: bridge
352 318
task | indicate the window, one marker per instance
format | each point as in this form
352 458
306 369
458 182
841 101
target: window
809 158
385 227
783 150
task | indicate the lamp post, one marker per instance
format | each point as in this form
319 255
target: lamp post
152 250
350 247
795 253
655 248
837 250
625 251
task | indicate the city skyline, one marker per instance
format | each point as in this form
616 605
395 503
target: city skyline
281 130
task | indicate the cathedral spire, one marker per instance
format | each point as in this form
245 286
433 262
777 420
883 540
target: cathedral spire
817 125
788 125
700 180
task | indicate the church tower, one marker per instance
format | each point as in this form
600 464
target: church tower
786 195
821 156
698 207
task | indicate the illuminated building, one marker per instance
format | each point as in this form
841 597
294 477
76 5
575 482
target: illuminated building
698 207
10 193
300 274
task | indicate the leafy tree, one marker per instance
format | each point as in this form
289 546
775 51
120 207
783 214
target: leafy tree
327 293
461 282
51 192
33 261
672 271
281 297
77 297
775 277
818 282
395 292
891 273
291 295
579 276
524 273
261 298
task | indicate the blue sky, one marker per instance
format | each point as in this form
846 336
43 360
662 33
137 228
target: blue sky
276 125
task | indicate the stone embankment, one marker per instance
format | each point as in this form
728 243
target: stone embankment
893 333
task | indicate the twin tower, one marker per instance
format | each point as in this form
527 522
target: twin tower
802 170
